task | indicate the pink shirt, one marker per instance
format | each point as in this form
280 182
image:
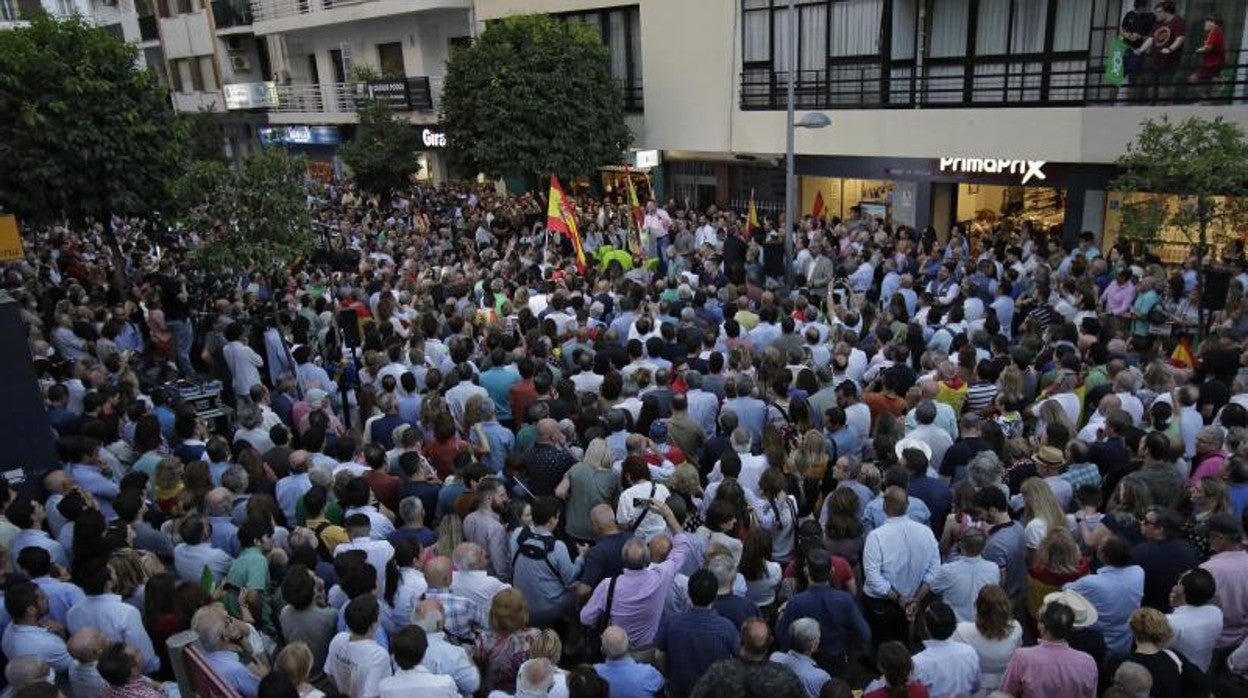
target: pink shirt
1230 574
1212 465
1118 297
1050 669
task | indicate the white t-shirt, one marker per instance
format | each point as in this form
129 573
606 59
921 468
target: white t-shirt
625 513
357 667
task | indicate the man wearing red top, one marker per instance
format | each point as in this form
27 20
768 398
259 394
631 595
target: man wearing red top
1166 45
1212 58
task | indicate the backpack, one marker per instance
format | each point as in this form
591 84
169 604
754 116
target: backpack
535 546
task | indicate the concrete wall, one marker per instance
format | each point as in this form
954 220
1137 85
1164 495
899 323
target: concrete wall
425 38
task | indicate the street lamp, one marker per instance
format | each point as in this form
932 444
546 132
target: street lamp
811 120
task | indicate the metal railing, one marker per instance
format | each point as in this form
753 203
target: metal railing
263 10
1060 79
346 97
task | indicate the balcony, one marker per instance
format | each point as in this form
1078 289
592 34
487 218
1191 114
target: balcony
197 101
277 16
337 102
1069 79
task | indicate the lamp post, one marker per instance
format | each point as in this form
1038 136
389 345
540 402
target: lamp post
811 120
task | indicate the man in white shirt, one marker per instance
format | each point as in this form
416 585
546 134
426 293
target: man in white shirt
408 646
632 512
472 579
752 466
934 437
379 552
1196 621
355 662
899 562
243 361
946 667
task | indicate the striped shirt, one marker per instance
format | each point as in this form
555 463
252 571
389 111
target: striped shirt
979 396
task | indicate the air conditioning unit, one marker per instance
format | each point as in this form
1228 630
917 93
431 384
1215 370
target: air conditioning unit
241 64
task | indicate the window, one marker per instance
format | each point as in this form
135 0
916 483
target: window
184 7
620 29
8 10
154 58
208 71
197 76
390 59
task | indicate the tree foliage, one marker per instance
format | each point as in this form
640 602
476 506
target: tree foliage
200 136
1203 162
382 156
83 131
253 216
533 95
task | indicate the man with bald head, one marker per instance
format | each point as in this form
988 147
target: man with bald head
946 419
605 559
750 673
290 488
627 677
900 558
472 580
461 617
547 462
86 646
58 484
442 657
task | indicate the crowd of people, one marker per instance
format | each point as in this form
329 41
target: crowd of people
452 464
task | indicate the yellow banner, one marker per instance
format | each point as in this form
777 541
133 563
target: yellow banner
10 239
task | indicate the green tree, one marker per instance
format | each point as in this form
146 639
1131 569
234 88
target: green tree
533 95
200 136
1202 162
382 156
254 216
83 132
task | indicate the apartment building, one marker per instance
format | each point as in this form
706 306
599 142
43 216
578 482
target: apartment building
942 112
329 55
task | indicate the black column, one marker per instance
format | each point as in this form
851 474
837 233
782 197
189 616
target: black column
25 429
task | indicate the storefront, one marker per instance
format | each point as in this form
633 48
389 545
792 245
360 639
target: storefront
431 158
977 194
1175 245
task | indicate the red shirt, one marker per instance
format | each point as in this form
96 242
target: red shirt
913 690
441 455
521 395
1214 56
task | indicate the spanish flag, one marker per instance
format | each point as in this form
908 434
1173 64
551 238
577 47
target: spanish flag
818 209
1182 356
751 218
561 217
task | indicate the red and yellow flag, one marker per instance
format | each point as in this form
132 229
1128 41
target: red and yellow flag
751 218
561 217
1182 355
818 208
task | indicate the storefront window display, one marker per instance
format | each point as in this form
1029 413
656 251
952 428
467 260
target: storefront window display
840 195
985 208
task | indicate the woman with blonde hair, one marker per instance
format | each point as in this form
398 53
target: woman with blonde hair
1041 512
1056 561
586 485
809 463
295 661
1208 496
994 635
508 643
1172 673
547 645
1051 412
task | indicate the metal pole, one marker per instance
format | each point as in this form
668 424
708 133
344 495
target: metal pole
790 205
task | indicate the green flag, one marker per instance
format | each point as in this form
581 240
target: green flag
1115 62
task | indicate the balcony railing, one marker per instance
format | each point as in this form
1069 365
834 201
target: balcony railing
424 94
1049 80
264 10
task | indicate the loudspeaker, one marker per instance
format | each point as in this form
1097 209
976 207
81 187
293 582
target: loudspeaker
1217 284
349 325
25 429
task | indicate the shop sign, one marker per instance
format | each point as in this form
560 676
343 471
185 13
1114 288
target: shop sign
299 135
433 137
645 158
392 92
1029 169
251 95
